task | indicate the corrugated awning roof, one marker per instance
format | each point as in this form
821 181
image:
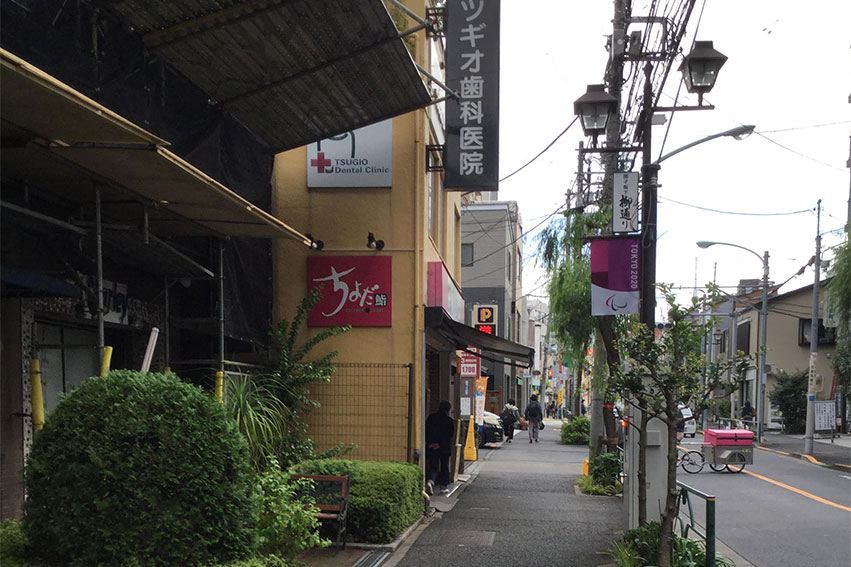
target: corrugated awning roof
292 71
462 336
55 139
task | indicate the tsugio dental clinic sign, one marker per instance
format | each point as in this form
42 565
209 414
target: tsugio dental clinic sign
356 290
472 71
360 158
615 275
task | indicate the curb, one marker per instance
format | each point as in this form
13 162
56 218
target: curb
807 458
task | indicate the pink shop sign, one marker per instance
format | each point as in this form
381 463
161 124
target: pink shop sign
356 290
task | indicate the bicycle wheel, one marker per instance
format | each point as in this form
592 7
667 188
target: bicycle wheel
736 462
716 467
692 462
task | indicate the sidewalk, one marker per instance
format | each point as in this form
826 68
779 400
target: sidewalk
518 506
836 455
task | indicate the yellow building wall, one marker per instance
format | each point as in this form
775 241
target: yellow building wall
366 403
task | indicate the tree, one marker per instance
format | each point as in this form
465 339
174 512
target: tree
564 252
270 406
790 395
840 301
665 373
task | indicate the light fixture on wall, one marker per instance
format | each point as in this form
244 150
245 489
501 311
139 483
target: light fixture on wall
374 244
315 244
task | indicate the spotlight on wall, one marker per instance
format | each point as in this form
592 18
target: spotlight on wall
374 244
315 244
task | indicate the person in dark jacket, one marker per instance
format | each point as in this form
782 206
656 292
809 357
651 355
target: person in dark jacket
510 415
439 430
535 416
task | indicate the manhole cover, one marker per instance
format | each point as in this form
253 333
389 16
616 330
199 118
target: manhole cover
468 537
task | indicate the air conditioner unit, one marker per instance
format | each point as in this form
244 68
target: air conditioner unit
770 368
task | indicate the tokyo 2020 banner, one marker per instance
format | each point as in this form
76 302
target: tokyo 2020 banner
615 275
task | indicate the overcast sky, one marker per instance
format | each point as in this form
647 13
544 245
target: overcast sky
788 73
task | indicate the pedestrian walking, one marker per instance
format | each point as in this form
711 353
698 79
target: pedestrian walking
535 416
510 416
439 429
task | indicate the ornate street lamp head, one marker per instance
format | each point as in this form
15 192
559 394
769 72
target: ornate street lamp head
594 109
700 68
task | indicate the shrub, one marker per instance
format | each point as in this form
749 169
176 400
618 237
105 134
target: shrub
384 498
576 431
587 485
288 524
605 468
140 469
13 544
641 545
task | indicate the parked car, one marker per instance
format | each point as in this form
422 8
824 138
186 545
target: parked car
690 425
492 431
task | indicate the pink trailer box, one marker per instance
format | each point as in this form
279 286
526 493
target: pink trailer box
728 437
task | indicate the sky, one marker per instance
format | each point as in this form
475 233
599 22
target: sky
788 73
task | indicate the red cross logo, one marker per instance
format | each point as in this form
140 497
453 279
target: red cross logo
320 162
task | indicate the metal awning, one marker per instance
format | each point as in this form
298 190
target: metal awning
59 141
462 336
292 71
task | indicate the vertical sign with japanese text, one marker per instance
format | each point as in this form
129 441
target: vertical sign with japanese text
615 275
472 71
625 202
470 363
356 290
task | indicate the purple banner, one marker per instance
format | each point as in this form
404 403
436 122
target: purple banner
615 276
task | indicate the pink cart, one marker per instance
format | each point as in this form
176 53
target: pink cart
729 449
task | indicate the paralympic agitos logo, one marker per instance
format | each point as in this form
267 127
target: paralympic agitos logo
612 303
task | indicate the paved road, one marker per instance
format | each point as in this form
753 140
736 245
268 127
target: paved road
781 511
522 510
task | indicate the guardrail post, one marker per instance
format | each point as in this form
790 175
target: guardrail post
710 532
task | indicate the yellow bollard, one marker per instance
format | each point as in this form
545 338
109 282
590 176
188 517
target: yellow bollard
470 451
106 360
585 467
220 381
37 394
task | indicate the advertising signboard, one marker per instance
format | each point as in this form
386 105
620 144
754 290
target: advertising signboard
360 158
472 71
356 290
470 363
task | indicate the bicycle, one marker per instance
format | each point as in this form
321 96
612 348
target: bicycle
691 461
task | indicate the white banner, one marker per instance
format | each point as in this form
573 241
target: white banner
625 202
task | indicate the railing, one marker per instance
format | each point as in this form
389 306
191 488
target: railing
709 536
736 423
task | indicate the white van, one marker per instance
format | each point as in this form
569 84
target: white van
690 424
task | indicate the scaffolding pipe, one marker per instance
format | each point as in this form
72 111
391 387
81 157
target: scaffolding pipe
149 351
105 360
219 390
167 322
99 246
221 306
37 394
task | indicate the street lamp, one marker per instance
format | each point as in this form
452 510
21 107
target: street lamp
700 68
594 109
760 405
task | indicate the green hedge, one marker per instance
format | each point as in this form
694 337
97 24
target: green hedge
384 498
140 469
13 544
576 431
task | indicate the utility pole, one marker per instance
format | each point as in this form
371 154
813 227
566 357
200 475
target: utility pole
811 383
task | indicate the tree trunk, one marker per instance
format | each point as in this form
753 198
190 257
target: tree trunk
666 528
642 466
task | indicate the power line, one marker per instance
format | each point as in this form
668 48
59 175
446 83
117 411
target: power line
734 212
522 167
